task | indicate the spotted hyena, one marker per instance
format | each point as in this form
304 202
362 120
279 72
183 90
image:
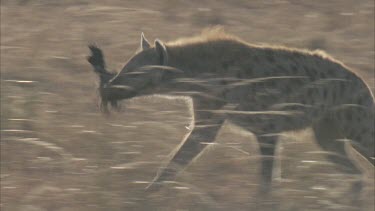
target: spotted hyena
264 89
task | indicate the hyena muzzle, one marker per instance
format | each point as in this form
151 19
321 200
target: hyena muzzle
263 89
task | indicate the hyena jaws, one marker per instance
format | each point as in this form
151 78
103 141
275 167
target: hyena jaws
266 90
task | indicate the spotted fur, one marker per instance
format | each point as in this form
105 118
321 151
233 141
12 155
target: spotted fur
264 89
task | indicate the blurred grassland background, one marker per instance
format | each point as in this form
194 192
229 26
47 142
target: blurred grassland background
58 152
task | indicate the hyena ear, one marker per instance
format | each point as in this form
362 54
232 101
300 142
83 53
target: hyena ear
161 51
144 43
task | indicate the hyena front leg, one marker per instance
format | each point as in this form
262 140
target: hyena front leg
267 144
204 132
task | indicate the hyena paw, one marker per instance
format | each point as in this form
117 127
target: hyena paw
116 105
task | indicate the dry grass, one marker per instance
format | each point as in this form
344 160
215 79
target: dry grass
59 153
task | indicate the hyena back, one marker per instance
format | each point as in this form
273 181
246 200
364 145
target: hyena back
264 89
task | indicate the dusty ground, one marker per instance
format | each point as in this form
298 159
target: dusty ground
59 153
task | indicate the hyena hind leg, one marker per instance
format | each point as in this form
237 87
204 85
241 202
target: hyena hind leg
353 124
357 124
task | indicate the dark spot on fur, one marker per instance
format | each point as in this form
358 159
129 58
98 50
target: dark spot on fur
364 131
360 101
280 67
297 56
311 74
288 89
227 64
342 86
294 69
270 56
358 119
334 96
324 93
249 71
309 92
349 116
256 58
358 137
266 74
271 126
223 82
363 100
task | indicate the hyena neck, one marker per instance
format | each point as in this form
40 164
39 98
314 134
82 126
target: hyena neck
206 56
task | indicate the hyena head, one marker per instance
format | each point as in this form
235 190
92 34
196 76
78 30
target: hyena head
147 55
146 71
